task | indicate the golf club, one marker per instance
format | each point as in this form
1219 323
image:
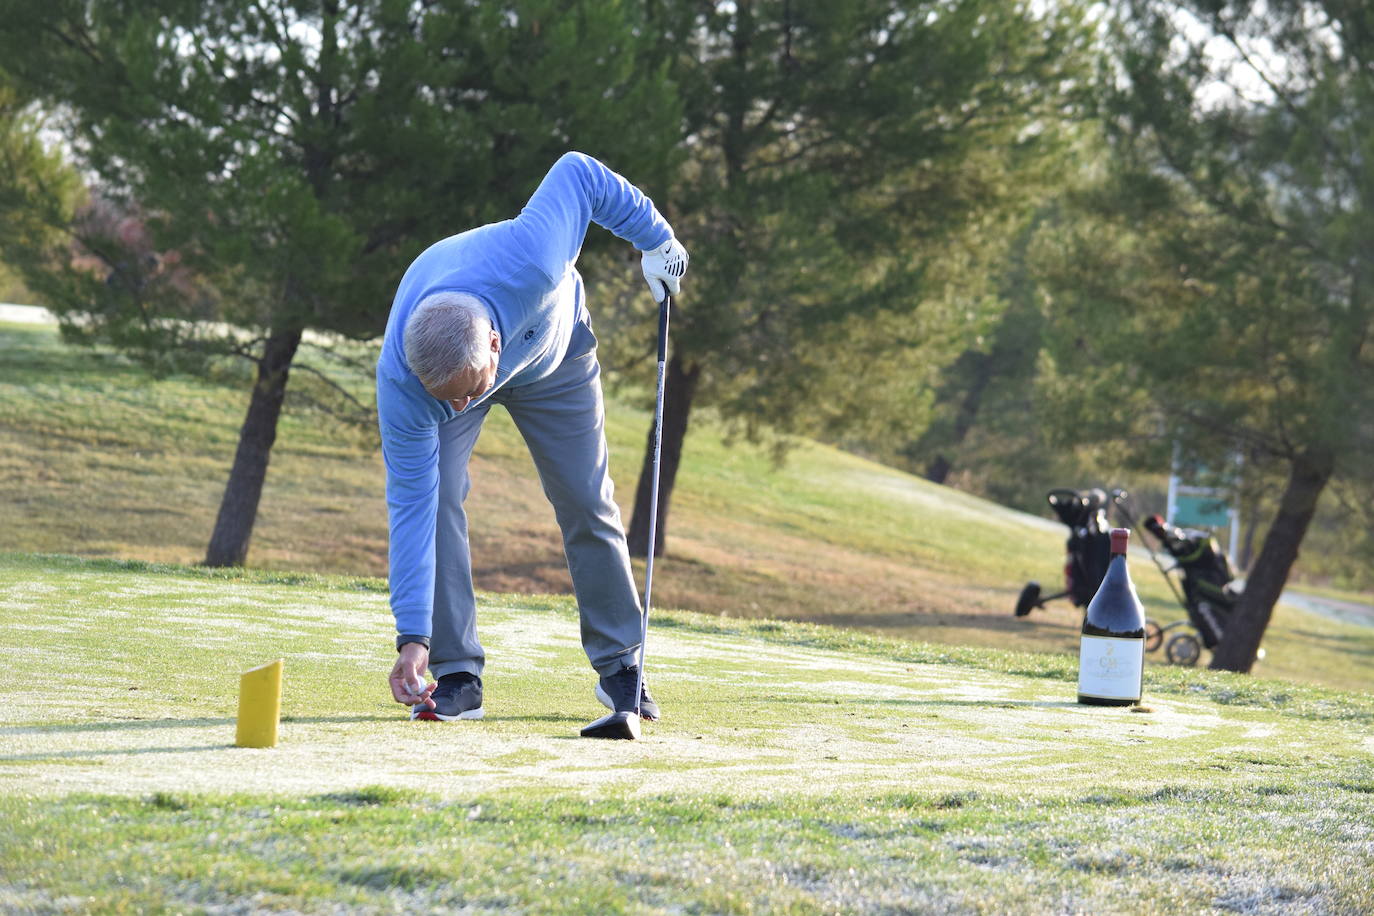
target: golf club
1119 498
625 724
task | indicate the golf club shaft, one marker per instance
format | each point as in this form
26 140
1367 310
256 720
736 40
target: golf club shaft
1141 539
663 309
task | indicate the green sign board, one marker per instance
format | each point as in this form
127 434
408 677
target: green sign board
1196 511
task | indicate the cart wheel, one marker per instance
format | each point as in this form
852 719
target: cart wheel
1154 636
1183 649
1030 599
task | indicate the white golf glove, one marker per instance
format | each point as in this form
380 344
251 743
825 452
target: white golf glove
663 268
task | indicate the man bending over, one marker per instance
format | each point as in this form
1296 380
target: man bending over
496 315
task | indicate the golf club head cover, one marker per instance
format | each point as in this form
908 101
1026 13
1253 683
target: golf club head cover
664 267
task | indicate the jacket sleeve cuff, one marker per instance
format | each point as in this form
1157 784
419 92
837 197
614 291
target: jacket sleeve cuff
404 638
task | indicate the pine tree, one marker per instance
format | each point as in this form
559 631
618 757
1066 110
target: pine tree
1216 293
296 156
855 172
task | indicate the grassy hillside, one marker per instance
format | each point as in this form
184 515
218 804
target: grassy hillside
97 459
797 769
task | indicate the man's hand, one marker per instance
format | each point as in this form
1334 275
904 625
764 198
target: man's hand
407 677
663 268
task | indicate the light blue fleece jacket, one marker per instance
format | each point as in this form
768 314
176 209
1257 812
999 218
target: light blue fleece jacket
523 270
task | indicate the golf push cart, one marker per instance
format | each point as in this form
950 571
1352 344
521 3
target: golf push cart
1206 590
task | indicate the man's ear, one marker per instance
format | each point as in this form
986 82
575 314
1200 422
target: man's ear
495 341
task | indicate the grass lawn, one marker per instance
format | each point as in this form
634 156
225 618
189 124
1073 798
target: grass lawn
798 768
100 460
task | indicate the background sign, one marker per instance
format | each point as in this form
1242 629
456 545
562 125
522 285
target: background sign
1199 510
1197 501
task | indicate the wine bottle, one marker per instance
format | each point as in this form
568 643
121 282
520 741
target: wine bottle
1111 655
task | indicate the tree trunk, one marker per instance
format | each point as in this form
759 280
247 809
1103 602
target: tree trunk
1307 477
937 470
1249 514
984 365
238 510
679 388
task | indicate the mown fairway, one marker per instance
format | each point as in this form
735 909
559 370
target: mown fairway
798 769
99 459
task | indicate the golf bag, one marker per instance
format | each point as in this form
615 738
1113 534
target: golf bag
1208 595
1089 548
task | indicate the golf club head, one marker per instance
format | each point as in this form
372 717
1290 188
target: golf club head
1029 599
622 725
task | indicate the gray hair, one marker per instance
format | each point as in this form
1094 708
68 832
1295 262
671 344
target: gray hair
446 334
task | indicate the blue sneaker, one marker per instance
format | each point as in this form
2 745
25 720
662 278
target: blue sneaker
617 694
457 696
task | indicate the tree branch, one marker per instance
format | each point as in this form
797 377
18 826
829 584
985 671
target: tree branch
1229 34
335 386
1225 204
86 47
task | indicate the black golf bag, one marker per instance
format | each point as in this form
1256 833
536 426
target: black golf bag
1208 596
1089 548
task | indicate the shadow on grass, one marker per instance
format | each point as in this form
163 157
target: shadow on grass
1338 643
995 704
143 724
54 756
116 725
885 706
560 718
898 621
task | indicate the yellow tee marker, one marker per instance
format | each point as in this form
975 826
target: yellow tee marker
259 706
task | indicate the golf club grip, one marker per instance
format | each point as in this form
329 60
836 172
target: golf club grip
663 309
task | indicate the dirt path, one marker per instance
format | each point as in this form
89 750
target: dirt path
1354 612
26 314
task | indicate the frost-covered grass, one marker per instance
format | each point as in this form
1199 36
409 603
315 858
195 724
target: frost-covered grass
1279 848
99 459
797 769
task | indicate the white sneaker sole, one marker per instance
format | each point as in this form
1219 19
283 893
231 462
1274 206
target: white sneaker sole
429 715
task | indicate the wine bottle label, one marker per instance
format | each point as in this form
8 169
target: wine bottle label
1111 668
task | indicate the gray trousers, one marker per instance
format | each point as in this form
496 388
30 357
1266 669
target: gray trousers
562 420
